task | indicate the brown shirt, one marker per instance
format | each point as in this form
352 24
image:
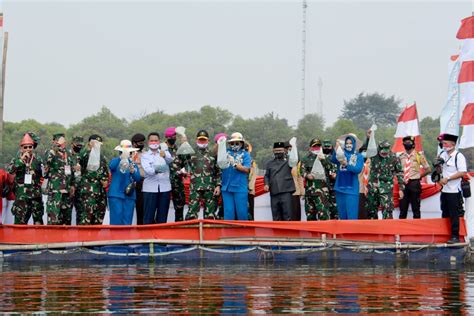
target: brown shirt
417 159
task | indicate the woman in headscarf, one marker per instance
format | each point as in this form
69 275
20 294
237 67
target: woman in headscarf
349 164
121 193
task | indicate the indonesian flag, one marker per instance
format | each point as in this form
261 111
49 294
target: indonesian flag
407 126
466 81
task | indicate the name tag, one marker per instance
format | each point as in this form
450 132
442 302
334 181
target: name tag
28 178
67 170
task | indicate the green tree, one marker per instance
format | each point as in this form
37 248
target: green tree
309 127
366 109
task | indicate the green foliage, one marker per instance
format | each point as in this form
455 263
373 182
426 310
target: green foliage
261 131
366 109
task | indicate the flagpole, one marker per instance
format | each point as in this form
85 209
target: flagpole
2 89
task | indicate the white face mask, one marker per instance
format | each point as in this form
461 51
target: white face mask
349 147
202 146
316 152
447 149
154 146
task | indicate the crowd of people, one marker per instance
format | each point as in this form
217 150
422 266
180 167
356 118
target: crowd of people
338 180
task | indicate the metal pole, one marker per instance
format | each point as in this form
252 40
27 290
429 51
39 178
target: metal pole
2 89
303 63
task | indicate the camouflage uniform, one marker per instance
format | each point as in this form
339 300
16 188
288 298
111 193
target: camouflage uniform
205 177
332 170
380 184
28 198
91 191
76 198
177 187
317 201
60 182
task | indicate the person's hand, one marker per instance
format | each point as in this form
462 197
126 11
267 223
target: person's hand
309 176
72 191
369 132
25 156
344 162
266 188
132 168
400 194
217 191
104 183
443 181
332 175
162 154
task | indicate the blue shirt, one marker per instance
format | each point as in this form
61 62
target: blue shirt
121 180
347 179
234 180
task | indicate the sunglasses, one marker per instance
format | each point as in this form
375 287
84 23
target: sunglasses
234 143
27 147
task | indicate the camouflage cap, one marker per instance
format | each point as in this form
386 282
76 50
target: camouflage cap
327 143
95 137
77 139
36 139
384 145
58 136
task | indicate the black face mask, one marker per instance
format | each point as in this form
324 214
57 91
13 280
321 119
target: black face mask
139 146
408 146
76 149
171 141
279 156
327 150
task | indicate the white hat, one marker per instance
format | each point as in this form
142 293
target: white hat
236 137
125 145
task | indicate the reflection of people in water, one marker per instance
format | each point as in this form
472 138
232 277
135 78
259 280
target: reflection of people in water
453 293
235 299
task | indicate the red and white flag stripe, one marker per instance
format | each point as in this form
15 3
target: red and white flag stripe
407 125
466 81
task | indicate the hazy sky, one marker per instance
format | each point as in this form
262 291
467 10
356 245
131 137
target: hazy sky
67 59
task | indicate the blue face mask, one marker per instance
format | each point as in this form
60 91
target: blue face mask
235 147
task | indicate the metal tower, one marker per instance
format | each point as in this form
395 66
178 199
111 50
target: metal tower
303 63
320 97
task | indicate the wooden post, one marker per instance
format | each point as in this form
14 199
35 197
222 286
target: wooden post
2 89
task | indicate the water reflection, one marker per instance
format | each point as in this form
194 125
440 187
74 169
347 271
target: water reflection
235 288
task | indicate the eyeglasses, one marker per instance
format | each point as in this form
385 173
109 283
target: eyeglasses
27 147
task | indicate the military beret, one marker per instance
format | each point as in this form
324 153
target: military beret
327 143
450 137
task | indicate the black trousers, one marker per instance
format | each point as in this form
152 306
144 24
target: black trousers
363 214
450 208
139 202
296 211
411 195
282 206
251 206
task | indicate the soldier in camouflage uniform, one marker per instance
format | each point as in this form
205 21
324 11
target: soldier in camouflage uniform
58 171
317 199
383 168
76 147
205 178
27 170
176 177
331 176
92 185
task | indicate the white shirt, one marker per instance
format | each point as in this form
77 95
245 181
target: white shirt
156 182
449 169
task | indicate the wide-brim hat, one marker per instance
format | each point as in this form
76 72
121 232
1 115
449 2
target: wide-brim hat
236 137
125 145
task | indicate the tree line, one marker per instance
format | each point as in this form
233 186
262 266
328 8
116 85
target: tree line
357 116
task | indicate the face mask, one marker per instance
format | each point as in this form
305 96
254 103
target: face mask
315 152
279 156
171 141
327 151
448 148
154 145
364 154
202 146
235 147
76 149
349 147
408 146
140 146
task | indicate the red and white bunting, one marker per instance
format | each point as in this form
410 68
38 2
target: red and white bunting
466 81
407 125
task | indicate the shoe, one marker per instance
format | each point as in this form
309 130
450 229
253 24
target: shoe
453 240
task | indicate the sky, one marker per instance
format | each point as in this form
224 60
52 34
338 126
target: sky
67 59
